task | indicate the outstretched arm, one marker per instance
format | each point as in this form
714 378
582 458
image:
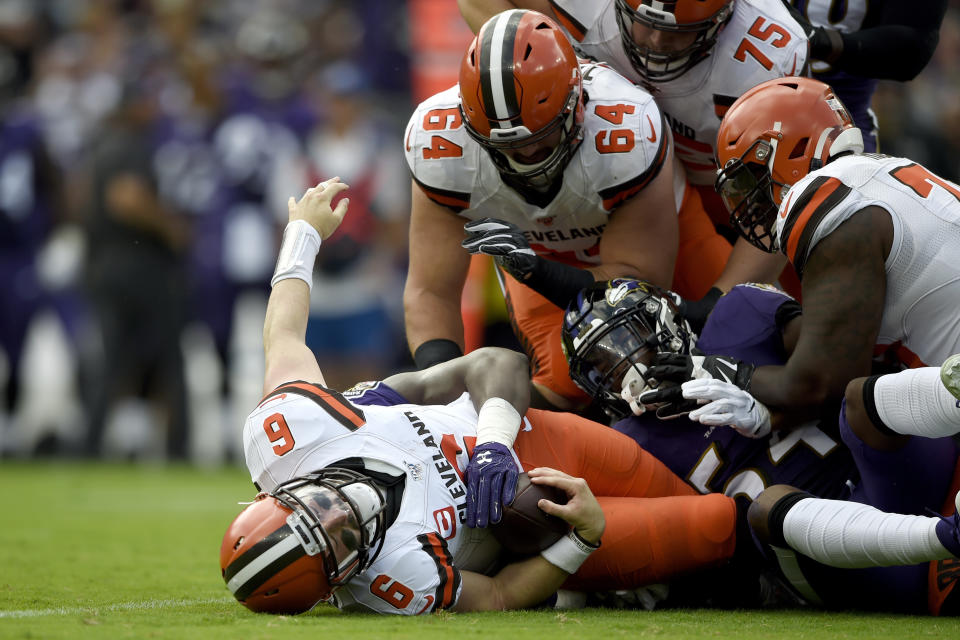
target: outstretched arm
312 219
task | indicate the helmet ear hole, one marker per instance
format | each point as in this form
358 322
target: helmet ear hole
800 148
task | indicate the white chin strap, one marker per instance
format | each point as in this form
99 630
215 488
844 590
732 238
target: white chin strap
634 383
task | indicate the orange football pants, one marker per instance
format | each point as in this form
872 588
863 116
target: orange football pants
658 526
536 321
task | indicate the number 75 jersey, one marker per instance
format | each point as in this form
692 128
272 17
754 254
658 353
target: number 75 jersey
624 146
759 42
302 427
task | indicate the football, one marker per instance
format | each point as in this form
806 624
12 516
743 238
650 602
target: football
524 529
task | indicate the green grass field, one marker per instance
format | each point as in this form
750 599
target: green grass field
118 551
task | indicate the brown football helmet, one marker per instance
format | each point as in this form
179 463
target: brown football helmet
771 137
520 84
293 547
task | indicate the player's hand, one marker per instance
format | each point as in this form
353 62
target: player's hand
505 242
727 404
582 510
315 207
670 370
491 483
821 47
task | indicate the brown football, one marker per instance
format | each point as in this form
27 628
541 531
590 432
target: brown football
524 529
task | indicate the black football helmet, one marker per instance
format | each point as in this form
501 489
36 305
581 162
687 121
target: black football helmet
612 326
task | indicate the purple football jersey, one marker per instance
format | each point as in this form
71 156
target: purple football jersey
746 324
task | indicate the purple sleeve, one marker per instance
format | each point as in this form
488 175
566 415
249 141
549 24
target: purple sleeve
746 324
374 393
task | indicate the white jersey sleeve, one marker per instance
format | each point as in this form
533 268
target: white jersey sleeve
444 160
923 266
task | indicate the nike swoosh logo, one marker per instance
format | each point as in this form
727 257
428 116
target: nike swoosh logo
786 207
653 132
724 374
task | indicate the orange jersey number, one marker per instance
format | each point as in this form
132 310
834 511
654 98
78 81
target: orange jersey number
762 33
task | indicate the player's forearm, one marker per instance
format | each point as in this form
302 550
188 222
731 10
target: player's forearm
749 264
517 586
498 373
429 316
887 52
287 311
654 272
476 12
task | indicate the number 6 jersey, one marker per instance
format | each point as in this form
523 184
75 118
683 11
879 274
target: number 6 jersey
302 427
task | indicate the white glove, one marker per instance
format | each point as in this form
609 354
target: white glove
727 404
632 386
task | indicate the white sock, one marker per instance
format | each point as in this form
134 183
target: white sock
915 403
851 535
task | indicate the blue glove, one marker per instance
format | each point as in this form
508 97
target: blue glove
491 483
505 242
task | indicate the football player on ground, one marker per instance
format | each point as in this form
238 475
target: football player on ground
380 502
566 172
695 57
611 333
862 42
725 444
875 240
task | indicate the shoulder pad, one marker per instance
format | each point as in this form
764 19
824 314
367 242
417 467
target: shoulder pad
442 157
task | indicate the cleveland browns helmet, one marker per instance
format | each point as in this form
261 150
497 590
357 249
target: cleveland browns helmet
293 547
611 327
704 18
520 85
771 137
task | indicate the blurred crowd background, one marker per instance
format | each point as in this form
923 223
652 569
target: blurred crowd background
147 151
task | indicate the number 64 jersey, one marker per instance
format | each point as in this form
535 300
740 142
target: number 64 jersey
624 145
302 427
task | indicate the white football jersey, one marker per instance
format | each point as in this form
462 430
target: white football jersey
300 428
922 309
761 41
623 147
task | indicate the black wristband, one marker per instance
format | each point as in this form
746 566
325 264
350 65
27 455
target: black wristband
435 351
557 282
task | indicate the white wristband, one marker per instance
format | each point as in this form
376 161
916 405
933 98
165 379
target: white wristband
497 421
299 248
569 552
